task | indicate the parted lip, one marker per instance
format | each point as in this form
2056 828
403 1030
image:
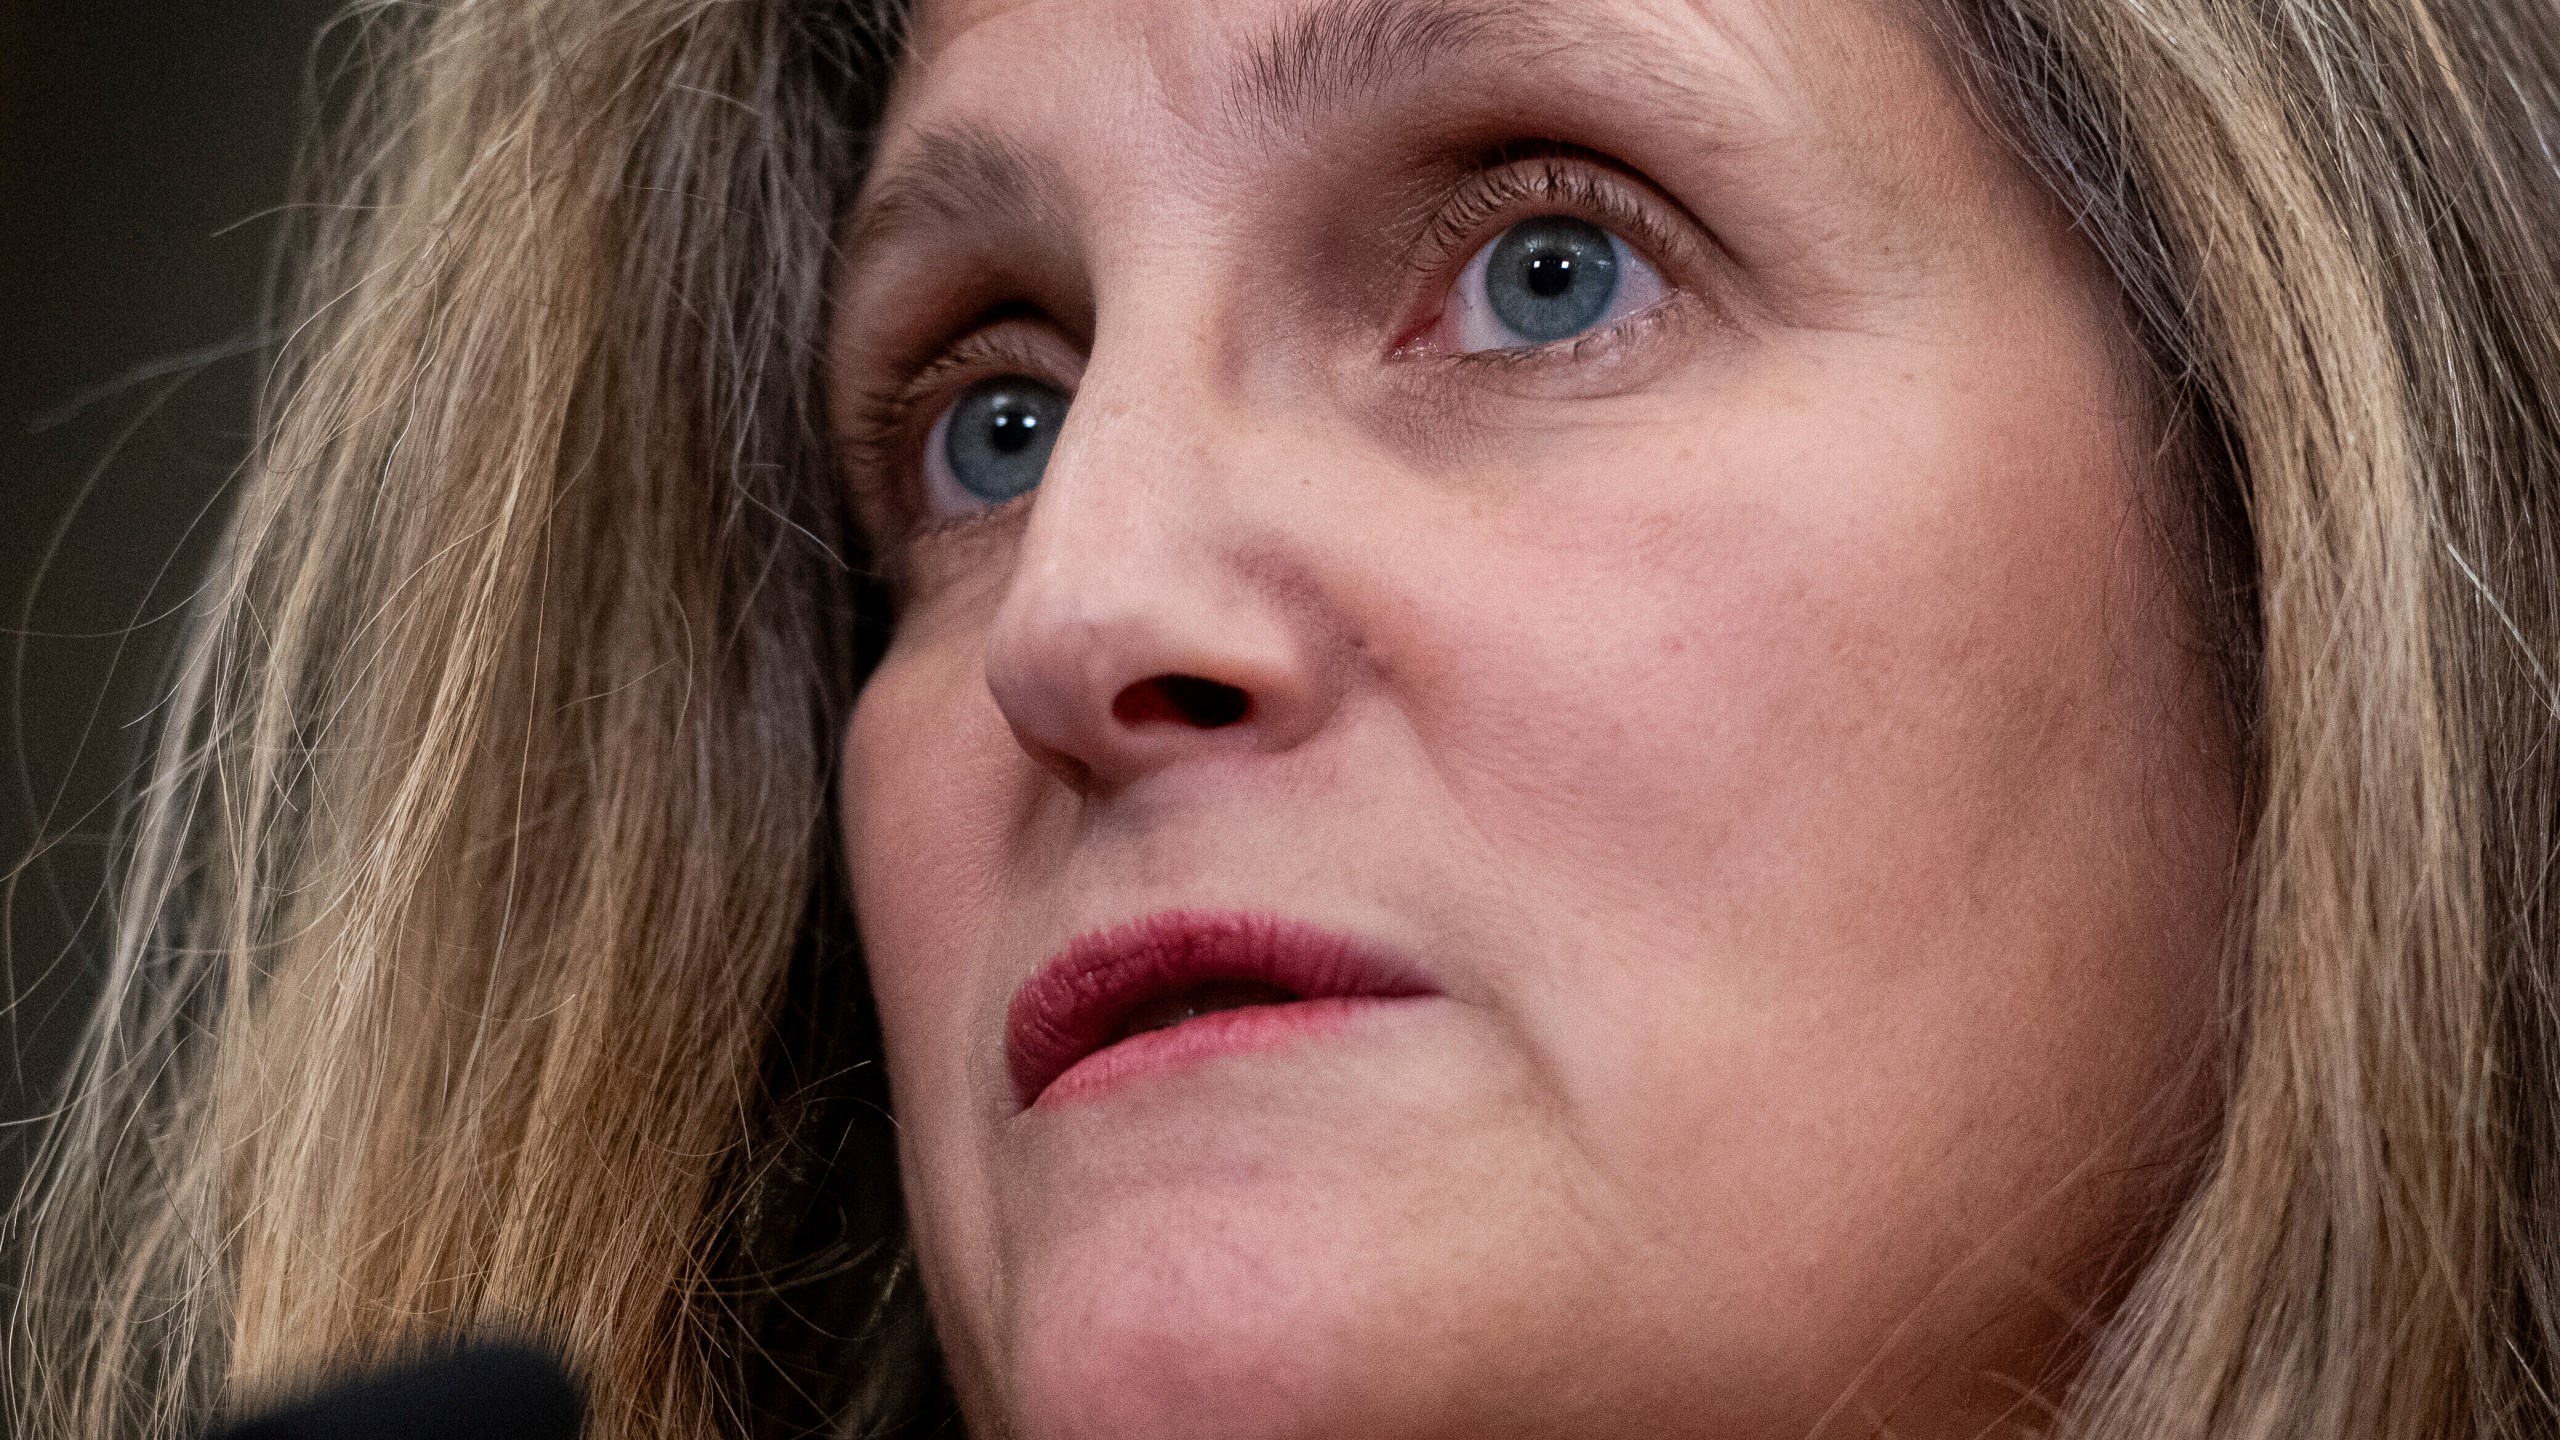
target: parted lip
1080 1001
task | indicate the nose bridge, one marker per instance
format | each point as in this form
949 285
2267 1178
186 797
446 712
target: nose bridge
1132 450
1150 614
1136 474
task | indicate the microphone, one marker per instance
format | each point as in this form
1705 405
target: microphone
494 1390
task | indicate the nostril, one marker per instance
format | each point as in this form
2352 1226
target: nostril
1183 698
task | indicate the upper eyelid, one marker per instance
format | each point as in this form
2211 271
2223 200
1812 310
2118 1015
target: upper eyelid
990 348
983 353
1564 181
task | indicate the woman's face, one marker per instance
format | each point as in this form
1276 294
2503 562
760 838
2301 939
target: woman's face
1570 798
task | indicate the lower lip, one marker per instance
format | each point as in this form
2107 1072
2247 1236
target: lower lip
1206 1037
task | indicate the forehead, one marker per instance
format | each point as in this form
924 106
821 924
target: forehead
1185 42
1201 58
1102 86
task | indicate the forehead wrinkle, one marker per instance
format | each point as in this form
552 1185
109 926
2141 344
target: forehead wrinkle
1338 51
958 178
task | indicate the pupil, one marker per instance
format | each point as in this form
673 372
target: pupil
1013 433
1550 275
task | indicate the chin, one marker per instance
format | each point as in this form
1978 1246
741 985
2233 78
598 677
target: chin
1153 1330
1273 1248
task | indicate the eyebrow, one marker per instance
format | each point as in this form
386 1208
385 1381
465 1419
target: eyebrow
956 178
1338 51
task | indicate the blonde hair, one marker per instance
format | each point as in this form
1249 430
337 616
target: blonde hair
485 959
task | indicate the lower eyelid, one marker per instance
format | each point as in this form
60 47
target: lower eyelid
1590 345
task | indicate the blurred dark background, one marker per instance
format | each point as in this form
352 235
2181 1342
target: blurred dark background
145 147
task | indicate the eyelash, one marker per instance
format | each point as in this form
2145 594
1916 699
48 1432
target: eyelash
1513 189
1507 187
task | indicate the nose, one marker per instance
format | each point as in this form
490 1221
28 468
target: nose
1162 605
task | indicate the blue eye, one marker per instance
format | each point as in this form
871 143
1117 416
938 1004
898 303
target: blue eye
994 441
1551 277
1547 279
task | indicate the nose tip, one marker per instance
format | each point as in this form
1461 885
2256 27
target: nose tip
1238 682
1166 601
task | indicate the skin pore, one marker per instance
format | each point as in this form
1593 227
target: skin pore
1765 716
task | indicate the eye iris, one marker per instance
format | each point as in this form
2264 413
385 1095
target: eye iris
1551 277
1000 436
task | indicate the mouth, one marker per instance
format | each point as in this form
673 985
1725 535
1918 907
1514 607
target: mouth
1180 986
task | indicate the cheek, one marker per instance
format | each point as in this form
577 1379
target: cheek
930 775
1787 640
932 789
1848 754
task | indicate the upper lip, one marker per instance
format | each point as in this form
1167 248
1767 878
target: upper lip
1077 1002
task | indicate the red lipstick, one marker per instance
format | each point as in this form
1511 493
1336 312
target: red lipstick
1181 986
